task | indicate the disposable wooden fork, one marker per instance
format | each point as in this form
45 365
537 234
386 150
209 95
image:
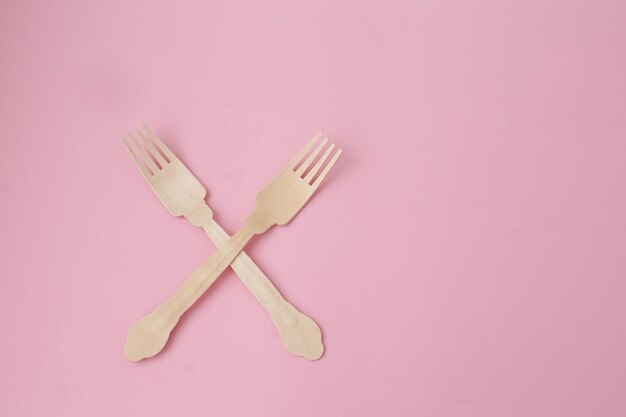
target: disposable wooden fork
183 195
277 203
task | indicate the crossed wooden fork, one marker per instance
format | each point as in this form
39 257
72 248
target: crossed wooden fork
183 195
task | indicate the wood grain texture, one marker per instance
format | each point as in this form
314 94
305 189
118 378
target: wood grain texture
183 195
277 203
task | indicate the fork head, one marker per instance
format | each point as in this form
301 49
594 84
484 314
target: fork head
177 188
289 191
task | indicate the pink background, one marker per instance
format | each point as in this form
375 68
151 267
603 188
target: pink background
465 258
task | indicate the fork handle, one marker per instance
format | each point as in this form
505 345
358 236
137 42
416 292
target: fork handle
298 332
148 335
204 276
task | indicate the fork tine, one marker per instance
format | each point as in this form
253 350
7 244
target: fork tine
311 157
140 165
146 157
168 153
319 163
326 169
152 149
303 152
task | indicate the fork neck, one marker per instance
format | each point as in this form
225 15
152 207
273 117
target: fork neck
201 216
257 222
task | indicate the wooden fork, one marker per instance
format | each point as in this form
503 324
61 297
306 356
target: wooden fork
183 195
277 203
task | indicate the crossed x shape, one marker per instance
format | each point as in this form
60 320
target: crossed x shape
183 195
